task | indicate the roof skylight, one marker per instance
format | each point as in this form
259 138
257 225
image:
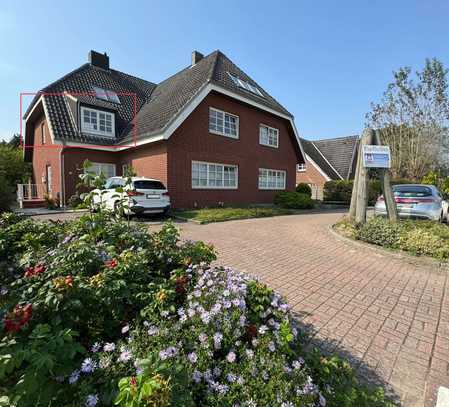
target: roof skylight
245 85
107 95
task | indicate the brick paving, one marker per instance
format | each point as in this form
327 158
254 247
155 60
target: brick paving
388 315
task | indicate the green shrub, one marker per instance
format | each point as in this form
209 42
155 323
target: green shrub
418 237
338 191
381 232
6 195
304 188
341 190
293 200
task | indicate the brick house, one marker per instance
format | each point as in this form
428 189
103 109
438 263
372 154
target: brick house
326 160
209 132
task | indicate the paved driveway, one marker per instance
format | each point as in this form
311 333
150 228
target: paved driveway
388 315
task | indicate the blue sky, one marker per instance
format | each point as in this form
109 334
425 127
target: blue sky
325 61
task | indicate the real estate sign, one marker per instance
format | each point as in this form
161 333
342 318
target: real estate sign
376 156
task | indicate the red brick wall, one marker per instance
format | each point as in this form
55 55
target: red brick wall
73 165
43 155
192 141
149 160
312 176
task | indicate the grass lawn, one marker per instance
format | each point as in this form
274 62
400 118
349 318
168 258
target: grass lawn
223 214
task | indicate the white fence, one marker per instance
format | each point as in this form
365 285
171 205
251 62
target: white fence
30 192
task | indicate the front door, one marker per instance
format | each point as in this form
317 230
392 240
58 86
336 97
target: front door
48 178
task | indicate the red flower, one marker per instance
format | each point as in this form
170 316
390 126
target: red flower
133 381
180 284
33 271
251 331
110 264
69 281
18 317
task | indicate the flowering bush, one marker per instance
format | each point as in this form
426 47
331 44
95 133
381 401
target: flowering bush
96 313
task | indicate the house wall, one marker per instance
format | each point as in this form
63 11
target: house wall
73 159
44 155
314 178
192 141
149 160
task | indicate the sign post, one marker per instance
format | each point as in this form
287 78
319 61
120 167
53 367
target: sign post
371 155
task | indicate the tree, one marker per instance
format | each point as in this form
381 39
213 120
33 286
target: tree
12 166
412 118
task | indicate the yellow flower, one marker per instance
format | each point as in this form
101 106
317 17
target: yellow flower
97 280
161 295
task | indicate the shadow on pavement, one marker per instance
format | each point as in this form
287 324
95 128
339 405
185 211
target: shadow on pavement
366 374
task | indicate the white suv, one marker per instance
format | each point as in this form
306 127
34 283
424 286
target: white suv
143 195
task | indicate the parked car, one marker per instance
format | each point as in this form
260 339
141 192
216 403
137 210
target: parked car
416 201
142 196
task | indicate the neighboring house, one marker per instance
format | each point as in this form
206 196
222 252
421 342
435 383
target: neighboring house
209 132
326 160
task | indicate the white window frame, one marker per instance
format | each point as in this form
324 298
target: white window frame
88 129
269 129
267 174
208 172
301 167
99 166
223 133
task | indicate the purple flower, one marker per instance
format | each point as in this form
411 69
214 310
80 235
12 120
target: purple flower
205 317
168 353
95 347
217 340
3 291
73 378
271 346
202 337
192 357
227 304
88 365
109 347
322 400
125 355
236 302
231 378
231 357
153 330
125 329
196 376
91 400
217 371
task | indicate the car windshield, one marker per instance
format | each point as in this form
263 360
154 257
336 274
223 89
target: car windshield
146 184
412 190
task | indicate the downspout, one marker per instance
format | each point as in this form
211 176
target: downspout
62 175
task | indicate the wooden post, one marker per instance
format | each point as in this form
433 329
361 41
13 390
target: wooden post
359 197
390 203
353 206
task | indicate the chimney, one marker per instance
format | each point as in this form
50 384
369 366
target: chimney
196 57
100 60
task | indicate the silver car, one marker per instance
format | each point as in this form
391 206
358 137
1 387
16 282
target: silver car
416 201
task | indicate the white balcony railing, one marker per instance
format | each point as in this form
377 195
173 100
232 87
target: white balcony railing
30 192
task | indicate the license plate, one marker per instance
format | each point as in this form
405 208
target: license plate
153 196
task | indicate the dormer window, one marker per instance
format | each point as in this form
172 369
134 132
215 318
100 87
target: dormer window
245 85
97 122
106 95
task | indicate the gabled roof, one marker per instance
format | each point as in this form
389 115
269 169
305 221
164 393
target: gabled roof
157 105
79 84
336 156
